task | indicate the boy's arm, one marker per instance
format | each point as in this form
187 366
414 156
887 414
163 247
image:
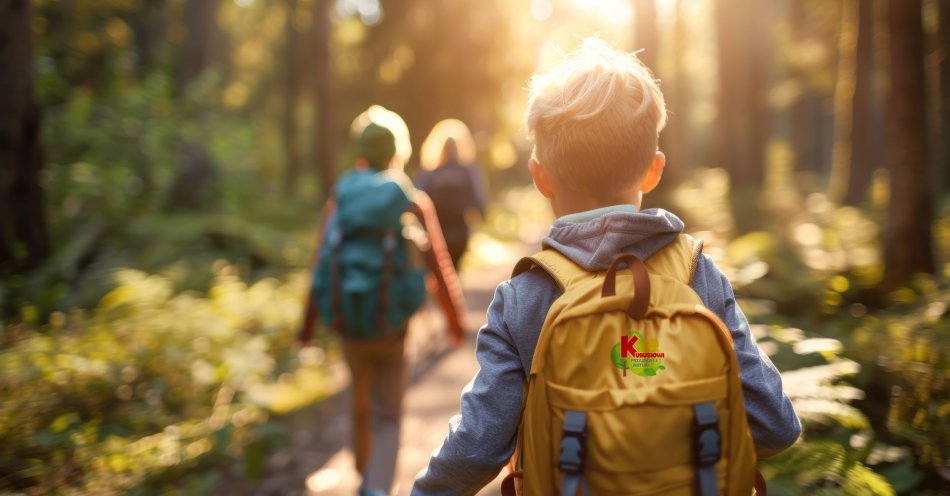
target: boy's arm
772 418
481 440
311 314
440 263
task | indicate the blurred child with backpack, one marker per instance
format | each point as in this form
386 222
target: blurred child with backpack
597 382
366 288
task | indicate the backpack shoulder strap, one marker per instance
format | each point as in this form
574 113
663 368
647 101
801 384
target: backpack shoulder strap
678 259
559 267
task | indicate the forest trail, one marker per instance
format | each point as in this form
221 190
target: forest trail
317 460
438 375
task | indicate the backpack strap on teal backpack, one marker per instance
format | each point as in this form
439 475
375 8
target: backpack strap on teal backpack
336 298
389 250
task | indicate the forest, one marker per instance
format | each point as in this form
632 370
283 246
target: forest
164 163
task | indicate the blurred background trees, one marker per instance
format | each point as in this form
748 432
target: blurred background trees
193 142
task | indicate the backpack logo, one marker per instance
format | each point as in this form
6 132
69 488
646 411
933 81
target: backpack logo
646 363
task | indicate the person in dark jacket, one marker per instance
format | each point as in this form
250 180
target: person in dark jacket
454 184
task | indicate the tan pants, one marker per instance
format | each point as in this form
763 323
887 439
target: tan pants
378 372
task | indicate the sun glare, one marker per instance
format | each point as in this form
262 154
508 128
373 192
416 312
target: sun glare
614 11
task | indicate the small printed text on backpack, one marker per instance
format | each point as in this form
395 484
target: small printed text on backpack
645 361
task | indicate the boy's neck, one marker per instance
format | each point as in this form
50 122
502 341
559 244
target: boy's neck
566 203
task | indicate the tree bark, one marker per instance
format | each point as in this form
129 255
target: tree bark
645 33
23 238
907 235
862 159
200 18
743 126
292 91
843 102
324 109
806 116
148 27
943 34
674 141
194 186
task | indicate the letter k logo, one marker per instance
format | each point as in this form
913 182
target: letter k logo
626 345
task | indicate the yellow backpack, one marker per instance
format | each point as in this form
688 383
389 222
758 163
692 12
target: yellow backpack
634 388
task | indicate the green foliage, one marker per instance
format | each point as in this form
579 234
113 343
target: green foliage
832 456
150 384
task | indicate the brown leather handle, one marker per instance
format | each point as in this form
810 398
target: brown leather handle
641 284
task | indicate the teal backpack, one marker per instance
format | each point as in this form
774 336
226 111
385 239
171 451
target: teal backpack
364 284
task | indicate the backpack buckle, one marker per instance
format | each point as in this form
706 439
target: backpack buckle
706 437
573 443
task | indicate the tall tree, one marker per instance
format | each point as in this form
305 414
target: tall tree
645 32
844 100
807 116
743 123
862 158
325 144
23 238
907 235
194 185
292 74
675 141
147 26
943 35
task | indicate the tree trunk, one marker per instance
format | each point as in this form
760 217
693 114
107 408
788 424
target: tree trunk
200 18
292 91
862 160
843 100
743 127
805 113
148 27
23 238
743 123
194 186
675 141
943 33
324 117
645 33
907 236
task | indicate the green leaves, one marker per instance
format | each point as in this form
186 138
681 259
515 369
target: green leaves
151 384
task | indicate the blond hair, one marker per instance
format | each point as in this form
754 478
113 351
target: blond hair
430 154
595 119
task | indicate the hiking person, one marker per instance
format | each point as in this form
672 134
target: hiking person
366 288
453 181
592 391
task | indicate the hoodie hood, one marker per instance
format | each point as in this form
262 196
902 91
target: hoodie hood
595 243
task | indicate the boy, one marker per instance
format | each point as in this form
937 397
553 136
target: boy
595 120
367 294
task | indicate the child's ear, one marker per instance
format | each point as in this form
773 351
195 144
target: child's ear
541 179
654 173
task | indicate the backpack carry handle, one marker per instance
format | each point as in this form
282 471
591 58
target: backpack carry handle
641 284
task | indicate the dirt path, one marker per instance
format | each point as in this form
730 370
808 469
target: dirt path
317 460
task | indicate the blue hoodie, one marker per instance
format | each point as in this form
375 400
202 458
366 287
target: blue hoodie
481 440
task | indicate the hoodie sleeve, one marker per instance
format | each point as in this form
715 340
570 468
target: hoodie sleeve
482 438
772 419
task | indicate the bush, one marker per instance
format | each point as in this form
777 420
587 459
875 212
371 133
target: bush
150 384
